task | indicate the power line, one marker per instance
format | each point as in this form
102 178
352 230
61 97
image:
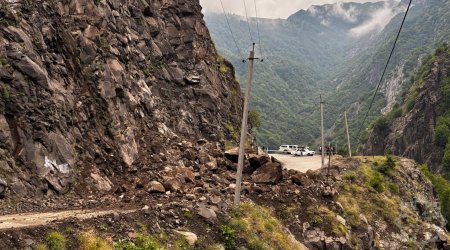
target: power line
257 28
231 31
384 71
248 23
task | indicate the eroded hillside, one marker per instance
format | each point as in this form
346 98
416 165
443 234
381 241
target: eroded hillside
410 129
96 94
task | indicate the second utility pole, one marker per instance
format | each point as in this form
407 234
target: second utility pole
321 131
348 135
237 191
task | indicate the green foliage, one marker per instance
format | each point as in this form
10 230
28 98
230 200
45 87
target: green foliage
56 241
90 241
302 52
357 197
229 237
5 92
254 118
442 188
441 134
387 166
142 242
40 247
446 93
257 227
446 158
324 217
3 61
377 182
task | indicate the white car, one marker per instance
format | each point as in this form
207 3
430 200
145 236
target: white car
288 148
303 152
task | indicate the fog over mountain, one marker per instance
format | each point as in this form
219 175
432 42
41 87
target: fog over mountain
267 8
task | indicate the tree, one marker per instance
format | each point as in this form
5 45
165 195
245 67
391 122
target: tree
254 118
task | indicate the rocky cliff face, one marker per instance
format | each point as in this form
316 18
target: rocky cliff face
94 92
412 133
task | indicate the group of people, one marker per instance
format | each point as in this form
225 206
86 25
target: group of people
328 150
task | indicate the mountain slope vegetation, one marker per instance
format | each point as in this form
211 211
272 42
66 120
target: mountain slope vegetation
331 50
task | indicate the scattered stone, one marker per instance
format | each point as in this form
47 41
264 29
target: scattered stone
270 173
173 184
156 187
190 237
102 183
207 213
301 179
341 220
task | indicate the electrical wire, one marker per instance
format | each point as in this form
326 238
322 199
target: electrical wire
248 23
231 31
384 72
257 28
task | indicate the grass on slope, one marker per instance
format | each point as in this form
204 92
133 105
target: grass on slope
257 228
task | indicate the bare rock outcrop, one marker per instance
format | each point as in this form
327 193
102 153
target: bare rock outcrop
106 87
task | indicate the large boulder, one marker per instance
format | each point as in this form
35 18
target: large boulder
232 154
270 173
301 179
256 161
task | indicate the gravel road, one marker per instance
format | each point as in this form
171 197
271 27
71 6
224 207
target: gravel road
38 219
300 163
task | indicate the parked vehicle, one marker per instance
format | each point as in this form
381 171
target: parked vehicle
288 149
303 151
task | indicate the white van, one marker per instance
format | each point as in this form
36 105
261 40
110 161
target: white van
288 148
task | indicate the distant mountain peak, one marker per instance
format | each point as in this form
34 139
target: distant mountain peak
355 19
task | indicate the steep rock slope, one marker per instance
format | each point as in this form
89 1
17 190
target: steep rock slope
409 130
96 91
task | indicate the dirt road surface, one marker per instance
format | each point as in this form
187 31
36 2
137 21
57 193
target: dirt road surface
300 163
39 219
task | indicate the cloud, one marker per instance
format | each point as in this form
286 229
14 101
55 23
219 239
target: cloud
349 14
377 21
268 8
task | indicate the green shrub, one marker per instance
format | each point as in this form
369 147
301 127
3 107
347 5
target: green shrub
377 182
229 237
254 118
56 241
142 242
446 93
90 241
40 247
441 134
387 166
446 158
442 188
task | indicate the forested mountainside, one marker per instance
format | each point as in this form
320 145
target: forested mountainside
419 127
338 51
93 93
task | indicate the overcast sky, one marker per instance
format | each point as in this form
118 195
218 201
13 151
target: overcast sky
267 8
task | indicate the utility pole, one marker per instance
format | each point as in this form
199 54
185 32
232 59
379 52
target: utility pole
348 135
237 191
321 132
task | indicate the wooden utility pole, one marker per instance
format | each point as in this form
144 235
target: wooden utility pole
321 132
237 191
348 135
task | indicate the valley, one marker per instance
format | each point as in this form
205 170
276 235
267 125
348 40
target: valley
304 58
